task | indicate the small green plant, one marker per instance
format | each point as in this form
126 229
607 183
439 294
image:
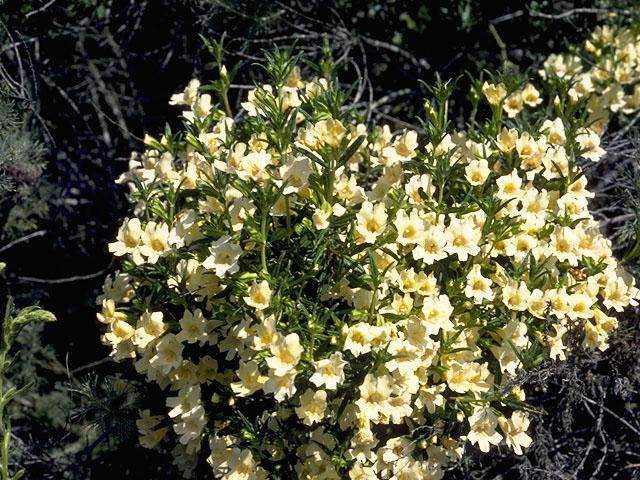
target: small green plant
11 327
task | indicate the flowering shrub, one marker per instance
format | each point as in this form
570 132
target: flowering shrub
319 298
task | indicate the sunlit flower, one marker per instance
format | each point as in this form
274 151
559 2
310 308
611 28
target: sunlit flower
463 238
312 406
372 221
494 93
259 295
154 241
478 287
513 104
286 354
329 372
224 257
483 425
515 431
128 238
477 171
531 96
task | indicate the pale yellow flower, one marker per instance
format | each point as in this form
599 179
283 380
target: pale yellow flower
150 326
407 143
477 171
361 472
415 184
563 243
483 425
468 377
224 257
531 96
516 296
313 406
436 312
433 246
374 396
282 386
509 186
146 423
296 175
329 131
286 354
188 96
515 431
242 466
128 238
250 379
410 228
265 333
329 371
590 141
190 425
168 354
555 131
358 340
253 166
372 221
193 327
259 295
478 287
109 313
252 105
506 139
555 343
119 331
494 93
321 218
155 241
513 104
526 146
200 108
463 238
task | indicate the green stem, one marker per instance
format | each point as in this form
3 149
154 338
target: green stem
374 299
312 335
501 44
372 306
486 256
440 193
5 433
288 218
263 231
225 101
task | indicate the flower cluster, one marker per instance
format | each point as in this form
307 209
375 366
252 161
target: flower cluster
318 298
606 76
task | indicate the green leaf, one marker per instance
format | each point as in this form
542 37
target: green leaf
33 314
14 392
519 405
312 156
351 150
19 474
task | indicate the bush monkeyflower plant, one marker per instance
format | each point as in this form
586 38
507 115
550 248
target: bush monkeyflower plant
318 298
